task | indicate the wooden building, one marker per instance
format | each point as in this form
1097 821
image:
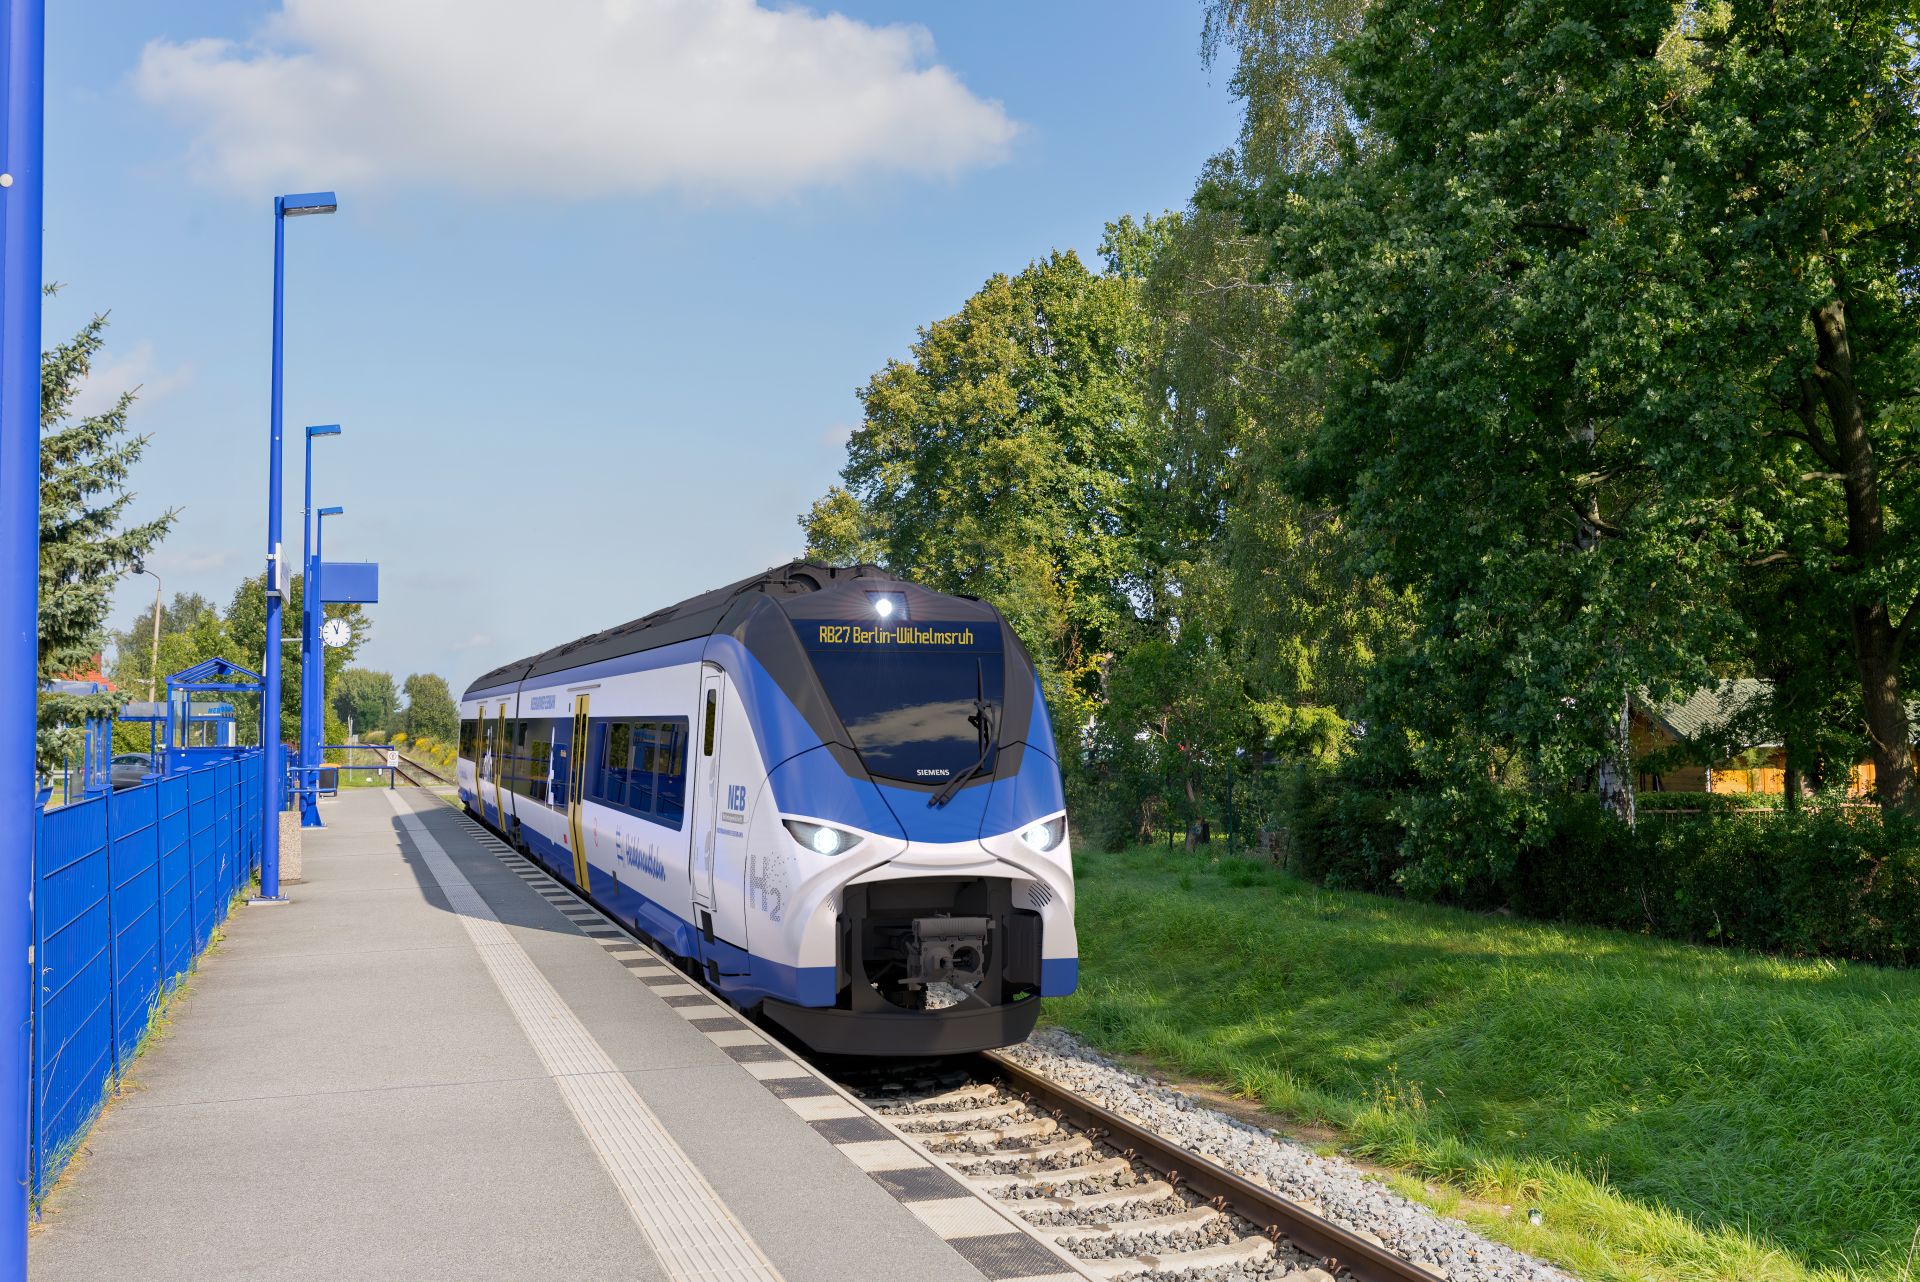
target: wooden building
1668 737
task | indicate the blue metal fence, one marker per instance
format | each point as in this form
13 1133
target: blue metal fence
128 889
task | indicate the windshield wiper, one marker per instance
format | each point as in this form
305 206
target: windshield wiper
982 721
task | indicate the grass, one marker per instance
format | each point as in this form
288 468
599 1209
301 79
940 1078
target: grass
1677 1113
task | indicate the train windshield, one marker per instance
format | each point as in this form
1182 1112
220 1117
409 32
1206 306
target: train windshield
922 701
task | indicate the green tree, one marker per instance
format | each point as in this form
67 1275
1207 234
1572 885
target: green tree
191 631
85 544
365 700
187 615
431 712
1613 306
247 632
996 463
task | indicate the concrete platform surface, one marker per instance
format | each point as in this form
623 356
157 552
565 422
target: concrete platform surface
432 1064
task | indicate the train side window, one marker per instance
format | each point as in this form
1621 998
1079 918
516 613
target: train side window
562 761
467 738
713 705
670 756
640 781
538 768
615 761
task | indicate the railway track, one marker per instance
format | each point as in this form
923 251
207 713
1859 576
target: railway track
1121 1199
415 775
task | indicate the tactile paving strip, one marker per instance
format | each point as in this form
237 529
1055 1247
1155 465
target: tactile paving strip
689 1227
996 1242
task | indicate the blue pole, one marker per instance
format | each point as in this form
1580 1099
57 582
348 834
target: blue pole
23 26
309 650
316 663
273 765
273 762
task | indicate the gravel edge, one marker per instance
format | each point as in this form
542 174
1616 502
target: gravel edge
1332 1186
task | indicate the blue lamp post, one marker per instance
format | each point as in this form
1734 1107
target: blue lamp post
314 674
23 25
274 767
312 715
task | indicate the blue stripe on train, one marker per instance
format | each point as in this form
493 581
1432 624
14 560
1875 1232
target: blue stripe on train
1059 976
743 978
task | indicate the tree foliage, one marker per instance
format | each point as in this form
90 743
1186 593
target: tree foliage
366 700
431 712
1615 307
1518 363
191 629
86 463
995 462
247 632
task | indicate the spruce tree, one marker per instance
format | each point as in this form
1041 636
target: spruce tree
85 463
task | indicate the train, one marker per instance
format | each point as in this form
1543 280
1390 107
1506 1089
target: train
830 793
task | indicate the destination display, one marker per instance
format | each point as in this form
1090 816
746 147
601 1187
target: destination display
902 634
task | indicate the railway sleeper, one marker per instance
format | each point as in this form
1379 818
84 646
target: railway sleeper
971 1093
1246 1250
1194 1217
1151 1191
1034 1129
938 1119
1091 1171
1032 1153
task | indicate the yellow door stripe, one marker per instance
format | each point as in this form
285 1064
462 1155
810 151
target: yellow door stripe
500 764
577 768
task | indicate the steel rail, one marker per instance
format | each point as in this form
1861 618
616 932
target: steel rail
407 763
1279 1217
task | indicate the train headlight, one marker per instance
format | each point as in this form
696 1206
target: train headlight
1045 835
820 839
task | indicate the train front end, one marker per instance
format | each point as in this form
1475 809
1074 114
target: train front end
915 847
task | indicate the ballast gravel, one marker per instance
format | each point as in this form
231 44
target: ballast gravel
1335 1188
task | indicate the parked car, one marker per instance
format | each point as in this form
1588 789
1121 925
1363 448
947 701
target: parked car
129 768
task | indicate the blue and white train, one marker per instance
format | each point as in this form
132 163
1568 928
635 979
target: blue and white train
827 790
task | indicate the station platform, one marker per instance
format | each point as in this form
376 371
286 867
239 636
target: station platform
435 1063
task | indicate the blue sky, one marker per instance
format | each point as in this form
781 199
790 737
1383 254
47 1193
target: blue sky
598 296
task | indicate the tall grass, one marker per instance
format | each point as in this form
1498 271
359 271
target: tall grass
1677 1112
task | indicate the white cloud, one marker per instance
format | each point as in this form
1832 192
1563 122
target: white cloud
568 98
837 436
474 642
135 371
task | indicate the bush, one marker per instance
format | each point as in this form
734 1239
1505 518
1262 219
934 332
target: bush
1345 837
1828 879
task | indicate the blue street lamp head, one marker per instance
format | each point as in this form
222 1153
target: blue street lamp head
331 511
324 429
310 202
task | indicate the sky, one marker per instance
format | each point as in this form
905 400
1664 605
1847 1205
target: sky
601 287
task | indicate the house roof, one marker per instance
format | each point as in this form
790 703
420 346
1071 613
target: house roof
1709 710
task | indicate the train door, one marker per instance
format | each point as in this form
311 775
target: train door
706 785
485 761
576 781
500 745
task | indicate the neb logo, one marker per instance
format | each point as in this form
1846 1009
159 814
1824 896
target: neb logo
737 797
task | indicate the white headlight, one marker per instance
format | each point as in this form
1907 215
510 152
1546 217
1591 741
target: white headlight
1044 836
884 605
821 839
